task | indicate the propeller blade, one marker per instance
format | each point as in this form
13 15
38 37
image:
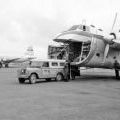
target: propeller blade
114 22
106 52
112 36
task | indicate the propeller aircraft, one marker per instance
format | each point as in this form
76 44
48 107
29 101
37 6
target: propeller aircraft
88 49
29 55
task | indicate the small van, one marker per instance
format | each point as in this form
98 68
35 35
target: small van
42 69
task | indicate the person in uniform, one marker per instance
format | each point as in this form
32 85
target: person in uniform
67 71
116 66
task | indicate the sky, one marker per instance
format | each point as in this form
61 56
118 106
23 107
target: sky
36 23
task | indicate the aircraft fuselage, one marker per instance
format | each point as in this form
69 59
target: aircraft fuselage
92 49
96 55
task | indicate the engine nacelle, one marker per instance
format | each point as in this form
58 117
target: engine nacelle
109 38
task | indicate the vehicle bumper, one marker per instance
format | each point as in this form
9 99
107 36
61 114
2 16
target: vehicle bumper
23 76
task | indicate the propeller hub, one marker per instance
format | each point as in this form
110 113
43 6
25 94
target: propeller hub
113 34
109 38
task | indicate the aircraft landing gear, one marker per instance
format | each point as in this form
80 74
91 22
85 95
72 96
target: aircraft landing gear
117 74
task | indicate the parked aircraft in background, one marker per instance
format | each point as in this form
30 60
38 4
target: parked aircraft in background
29 54
87 49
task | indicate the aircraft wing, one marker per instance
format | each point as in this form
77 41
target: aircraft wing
6 61
20 60
15 60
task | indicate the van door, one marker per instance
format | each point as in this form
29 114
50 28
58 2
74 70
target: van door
54 69
45 70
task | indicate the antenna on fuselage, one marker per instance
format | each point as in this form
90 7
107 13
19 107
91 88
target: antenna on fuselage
84 24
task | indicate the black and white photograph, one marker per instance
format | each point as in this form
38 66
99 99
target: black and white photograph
59 60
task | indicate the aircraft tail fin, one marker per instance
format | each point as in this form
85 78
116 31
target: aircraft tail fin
29 52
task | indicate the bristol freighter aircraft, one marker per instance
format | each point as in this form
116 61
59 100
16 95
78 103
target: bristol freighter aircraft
88 49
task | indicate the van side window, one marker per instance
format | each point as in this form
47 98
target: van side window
54 64
62 64
45 64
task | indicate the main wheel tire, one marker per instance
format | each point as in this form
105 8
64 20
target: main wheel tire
33 78
59 77
21 80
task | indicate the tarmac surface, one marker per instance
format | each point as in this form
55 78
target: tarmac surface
93 96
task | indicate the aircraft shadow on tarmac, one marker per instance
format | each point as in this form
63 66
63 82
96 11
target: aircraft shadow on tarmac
96 78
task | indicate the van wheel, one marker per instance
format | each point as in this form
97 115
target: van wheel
21 80
59 77
33 78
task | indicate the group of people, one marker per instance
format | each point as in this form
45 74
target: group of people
70 71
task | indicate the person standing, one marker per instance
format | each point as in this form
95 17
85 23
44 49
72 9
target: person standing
116 66
67 71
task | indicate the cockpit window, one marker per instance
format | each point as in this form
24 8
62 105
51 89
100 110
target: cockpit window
80 27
